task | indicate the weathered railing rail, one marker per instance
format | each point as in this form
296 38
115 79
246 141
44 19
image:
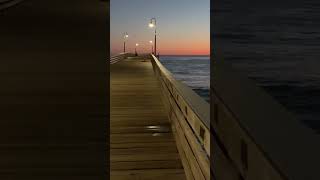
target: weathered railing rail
119 57
190 119
253 136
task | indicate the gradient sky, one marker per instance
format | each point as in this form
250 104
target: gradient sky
183 26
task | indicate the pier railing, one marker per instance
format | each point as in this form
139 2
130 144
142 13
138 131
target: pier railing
189 115
253 136
119 57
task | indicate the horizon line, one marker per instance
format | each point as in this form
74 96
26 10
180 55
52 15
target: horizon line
174 54
184 54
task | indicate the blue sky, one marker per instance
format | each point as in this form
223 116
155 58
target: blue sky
183 25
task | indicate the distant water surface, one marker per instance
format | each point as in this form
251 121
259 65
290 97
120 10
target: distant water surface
278 44
194 71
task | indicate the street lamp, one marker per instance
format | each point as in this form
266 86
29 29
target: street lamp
125 36
152 24
151 46
136 49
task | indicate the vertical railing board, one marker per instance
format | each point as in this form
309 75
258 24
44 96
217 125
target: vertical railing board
194 146
183 156
195 167
195 122
193 163
199 153
223 169
164 95
232 135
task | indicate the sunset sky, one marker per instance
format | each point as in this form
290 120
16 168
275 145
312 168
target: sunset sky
183 26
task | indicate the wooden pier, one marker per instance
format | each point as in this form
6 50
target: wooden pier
54 109
142 142
160 128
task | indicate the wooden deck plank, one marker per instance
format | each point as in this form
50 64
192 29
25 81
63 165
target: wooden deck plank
138 145
142 143
153 174
137 165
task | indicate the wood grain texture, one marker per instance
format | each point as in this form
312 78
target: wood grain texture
142 143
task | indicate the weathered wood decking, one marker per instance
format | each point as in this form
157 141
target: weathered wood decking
142 144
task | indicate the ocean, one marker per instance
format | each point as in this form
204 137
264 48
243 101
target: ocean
277 43
194 71
298 91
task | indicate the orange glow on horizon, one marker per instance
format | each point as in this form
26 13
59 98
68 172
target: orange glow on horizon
188 47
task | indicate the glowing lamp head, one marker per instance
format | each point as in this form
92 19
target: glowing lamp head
125 35
137 44
150 42
151 25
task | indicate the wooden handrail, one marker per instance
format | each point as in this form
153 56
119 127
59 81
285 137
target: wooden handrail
190 120
119 57
254 136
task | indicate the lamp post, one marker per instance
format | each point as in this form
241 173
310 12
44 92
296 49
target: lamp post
151 46
136 49
125 36
153 24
